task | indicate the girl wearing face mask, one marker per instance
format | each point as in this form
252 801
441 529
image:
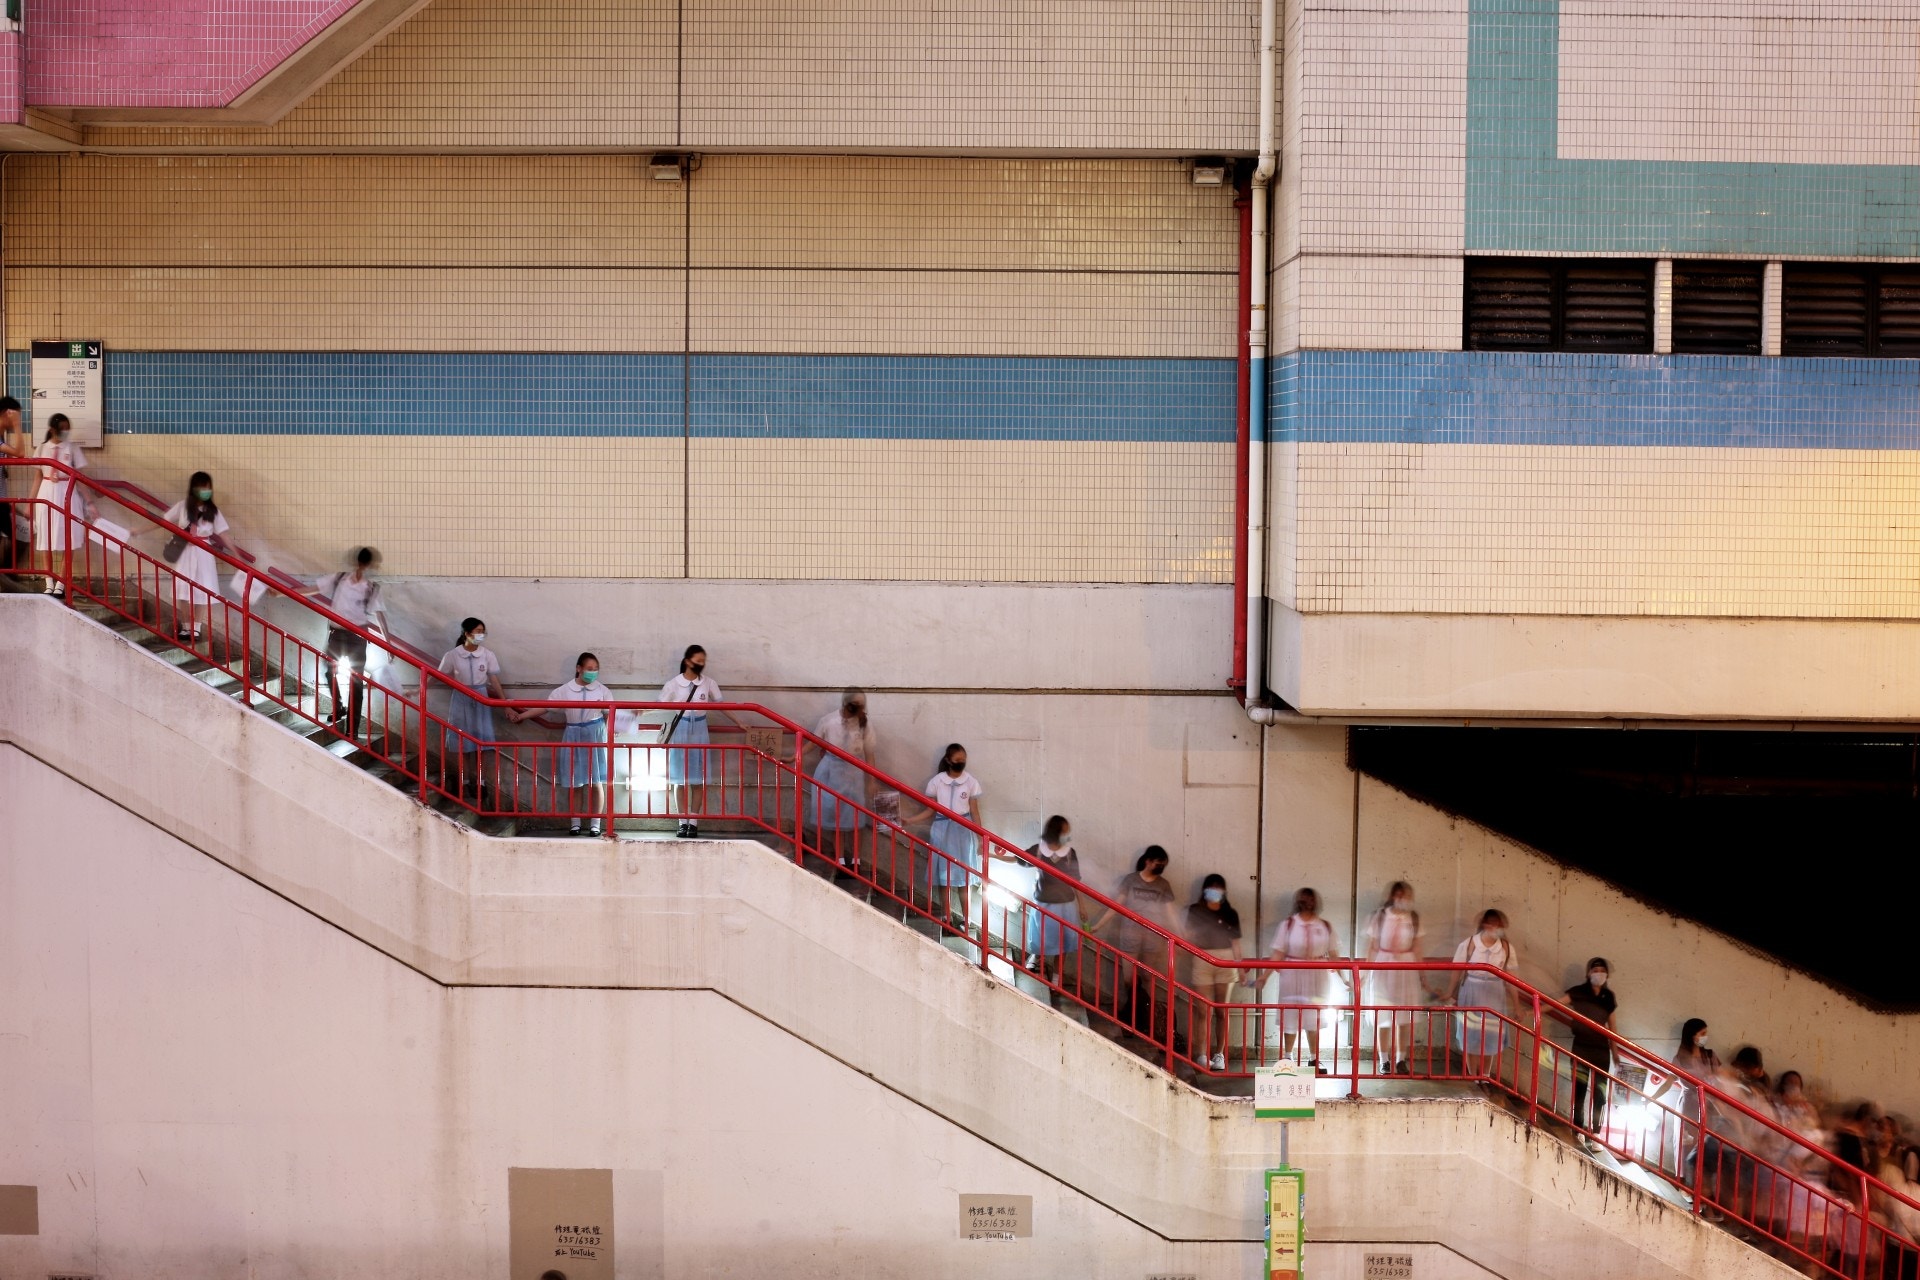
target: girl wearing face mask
580 762
840 803
1053 933
1140 995
687 768
196 574
475 668
1592 1052
954 788
1679 1098
1481 1027
1304 936
1394 937
60 509
1214 927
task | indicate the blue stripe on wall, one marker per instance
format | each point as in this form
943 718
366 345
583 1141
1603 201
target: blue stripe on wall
736 396
1487 397
1521 197
963 398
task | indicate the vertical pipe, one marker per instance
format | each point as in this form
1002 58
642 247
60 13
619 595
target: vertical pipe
1243 204
1253 588
611 808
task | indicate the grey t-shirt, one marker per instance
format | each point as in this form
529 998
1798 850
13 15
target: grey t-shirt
1147 899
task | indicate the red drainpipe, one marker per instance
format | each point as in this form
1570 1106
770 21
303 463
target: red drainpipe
1242 441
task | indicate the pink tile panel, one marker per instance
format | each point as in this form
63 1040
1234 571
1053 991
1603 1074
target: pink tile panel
12 110
161 53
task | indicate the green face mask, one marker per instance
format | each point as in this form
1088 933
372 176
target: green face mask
205 495
588 677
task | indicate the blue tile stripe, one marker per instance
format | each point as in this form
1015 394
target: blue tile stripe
642 396
1522 398
1523 198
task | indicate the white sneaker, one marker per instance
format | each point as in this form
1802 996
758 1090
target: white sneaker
1217 1063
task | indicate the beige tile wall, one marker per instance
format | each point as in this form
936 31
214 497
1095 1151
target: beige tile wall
811 254
1063 75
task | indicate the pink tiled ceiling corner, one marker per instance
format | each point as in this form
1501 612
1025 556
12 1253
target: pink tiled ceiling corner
161 53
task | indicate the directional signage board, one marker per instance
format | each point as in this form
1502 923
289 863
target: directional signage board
70 378
1283 1091
1286 1224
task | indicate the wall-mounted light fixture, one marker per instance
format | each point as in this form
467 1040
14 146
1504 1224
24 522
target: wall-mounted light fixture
669 166
1209 171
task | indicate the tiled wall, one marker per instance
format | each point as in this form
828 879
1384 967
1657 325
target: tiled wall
1409 476
827 367
550 74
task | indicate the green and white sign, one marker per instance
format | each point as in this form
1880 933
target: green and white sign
1283 1091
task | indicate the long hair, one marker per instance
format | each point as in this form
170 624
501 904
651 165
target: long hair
1306 900
198 510
1393 891
852 698
947 755
1228 916
1689 1030
467 627
1055 825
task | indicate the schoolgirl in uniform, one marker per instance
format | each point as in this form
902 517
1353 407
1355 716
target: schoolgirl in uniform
196 574
581 760
60 510
687 767
473 667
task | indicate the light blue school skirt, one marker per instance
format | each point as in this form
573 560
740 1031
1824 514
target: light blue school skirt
1480 1028
579 766
685 767
961 845
474 719
1056 932
830 813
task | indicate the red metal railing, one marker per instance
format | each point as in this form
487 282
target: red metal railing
1144 984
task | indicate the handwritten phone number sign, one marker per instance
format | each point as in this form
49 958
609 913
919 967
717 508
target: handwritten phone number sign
996 1217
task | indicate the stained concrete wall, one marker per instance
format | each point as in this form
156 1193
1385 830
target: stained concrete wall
290 1050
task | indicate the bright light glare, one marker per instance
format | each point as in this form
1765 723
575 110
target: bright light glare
1003 898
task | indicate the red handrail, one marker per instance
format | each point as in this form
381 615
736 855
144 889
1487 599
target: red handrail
1110 961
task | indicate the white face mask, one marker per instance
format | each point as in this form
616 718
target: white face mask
479 638
1215 895
1700 1041
1598 977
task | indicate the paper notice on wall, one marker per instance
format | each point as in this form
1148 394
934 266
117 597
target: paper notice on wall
561 1220
70 378
996 1217
1386 1266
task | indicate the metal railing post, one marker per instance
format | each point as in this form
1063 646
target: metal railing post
1533 1088
1353 1048
1700 1155
1173 1008
246 643
1866 1227
799 799
986 905
423 737
611 753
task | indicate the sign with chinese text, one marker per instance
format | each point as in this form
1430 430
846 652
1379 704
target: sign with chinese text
561 1220
1386 1266
1283 1091
1286 1224
996 1217
70 378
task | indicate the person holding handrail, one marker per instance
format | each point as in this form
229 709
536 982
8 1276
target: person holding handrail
1148 896
581 759
14 444
1053 931
687 733
1305 936
843 795
1214 927
196 572
1394 936
1592 1051
475 668
355 595
61 507
1481 1031
951 875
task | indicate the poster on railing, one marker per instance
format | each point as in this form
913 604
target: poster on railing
70 378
